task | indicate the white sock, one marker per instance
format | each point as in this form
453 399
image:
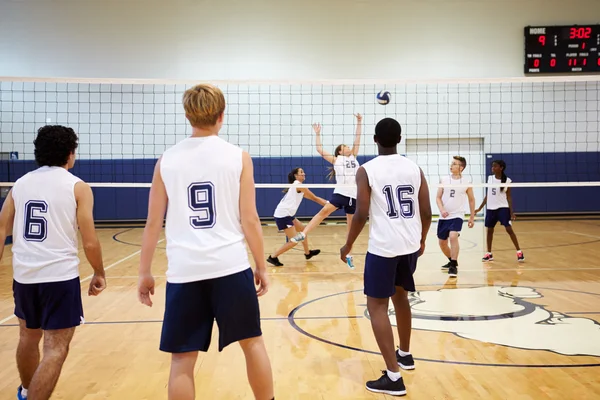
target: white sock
403 353
394 376
24 392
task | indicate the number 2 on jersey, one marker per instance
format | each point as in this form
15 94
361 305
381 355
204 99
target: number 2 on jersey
201 199
407 208
36 227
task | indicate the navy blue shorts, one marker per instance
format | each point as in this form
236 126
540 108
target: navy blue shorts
345 202
51 305
191 309
502 215
445 226
284 223
383 274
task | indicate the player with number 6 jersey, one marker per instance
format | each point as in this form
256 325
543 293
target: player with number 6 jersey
45 209
205 186
393 194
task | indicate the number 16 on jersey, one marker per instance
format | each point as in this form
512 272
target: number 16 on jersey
401 196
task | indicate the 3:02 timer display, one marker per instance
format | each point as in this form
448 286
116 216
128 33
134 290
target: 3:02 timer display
562 49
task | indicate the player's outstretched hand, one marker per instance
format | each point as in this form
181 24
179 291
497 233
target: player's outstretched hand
317 128
344 251
358 117
262 281
471 222
97 285
145 289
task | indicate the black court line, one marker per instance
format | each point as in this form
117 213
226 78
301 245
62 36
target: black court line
155 321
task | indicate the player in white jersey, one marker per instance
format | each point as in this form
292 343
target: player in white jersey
393 194
206 187
344 170
451 202
499 209
285 215
43 211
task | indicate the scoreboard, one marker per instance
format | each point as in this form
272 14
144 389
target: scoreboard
562 49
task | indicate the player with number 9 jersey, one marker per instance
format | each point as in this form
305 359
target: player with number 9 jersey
205 186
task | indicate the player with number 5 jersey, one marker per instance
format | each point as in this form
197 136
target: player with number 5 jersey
205 186
393 194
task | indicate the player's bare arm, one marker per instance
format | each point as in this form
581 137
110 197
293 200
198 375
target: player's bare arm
424 209
311 196
440 204
251 223
510 206
157 207
91 245
363 204
472 211
483 203
7 215
356 145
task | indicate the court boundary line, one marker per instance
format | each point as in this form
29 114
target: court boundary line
2 321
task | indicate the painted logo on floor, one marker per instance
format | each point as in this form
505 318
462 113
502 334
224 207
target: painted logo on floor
502 316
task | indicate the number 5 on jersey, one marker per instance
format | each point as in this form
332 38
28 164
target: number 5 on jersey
406 203
201 200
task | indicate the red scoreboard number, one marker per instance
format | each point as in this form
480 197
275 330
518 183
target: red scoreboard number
580 33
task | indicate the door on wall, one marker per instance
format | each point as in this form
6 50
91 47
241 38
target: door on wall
434 156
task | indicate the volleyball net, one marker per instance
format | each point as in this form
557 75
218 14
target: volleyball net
545 129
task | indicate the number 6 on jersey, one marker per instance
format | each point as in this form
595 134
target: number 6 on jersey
201 199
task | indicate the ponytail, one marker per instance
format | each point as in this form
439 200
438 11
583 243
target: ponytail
338 151
291 177
502 165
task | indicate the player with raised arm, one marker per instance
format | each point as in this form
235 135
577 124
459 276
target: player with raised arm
206 187
451 201
43 211
499 209
344 170
285 215
393 194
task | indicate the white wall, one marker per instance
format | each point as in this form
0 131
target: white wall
274 39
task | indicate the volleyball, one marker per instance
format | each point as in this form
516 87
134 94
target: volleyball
383 97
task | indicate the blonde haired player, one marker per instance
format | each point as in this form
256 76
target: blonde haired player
344 170
451 202
206 187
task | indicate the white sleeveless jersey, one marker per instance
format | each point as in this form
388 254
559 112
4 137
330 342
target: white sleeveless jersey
394 217
345 174
454 199
203 227
288 206
45 244
496 196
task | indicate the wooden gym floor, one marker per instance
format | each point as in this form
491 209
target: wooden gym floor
500 330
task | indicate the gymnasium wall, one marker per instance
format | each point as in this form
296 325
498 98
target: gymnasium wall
124 127
275 39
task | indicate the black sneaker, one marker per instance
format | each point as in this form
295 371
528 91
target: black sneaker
446 266
387 386
453 271
405 362
312 253
275 261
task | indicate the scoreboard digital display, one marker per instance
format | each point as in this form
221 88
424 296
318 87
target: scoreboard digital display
562 49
